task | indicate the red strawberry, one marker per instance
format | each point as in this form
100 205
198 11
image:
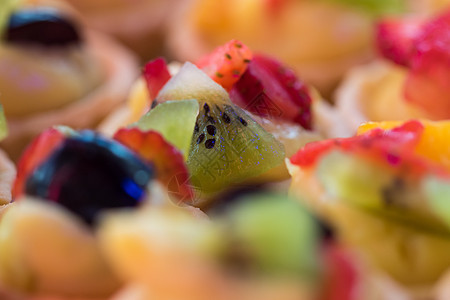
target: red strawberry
168 161
270 90
227 63
156 74
38 150
395 39
342 278
428 83
394 148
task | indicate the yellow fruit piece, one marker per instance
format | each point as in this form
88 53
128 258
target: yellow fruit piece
433 143
139 100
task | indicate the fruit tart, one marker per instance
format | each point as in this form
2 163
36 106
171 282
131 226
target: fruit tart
258 86
410 80
263 246
52 71
66 179
385 192
294 31
139 24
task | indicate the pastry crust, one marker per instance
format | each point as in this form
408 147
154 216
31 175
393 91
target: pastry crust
120 72
374 92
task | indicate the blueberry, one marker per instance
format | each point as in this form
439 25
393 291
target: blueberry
42 26
89 173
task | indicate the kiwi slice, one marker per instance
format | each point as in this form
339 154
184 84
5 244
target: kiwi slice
228 146
372 188
6 7
182 116
438 193
272 234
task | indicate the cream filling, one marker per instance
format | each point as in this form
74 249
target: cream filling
35 80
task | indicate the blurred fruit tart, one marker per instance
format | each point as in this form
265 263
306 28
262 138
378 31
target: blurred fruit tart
252 110
291 30
263 246
411 79
66 180
386 192
52 71
139 24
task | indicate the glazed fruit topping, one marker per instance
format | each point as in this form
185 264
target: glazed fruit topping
395 39
88 173
43 26
393 148
227 63
271 90
36 152
428 83
156 75
167 160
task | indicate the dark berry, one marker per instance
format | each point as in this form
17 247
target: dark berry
43 26
89 173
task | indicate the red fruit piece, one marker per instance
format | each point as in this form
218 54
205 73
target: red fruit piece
393 146
227 63
395 39
167 160
342 278
274 6
270 90
156 74
36 153
428 83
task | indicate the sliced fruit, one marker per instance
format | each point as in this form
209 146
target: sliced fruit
167 160
139 100
44 249
438 193
432 142
89 173
396 39
228 147
227 63
428 83
3 124
6 7
342 277
270 90
389 145
375 189
191 83
35 154
156 75
274 235
174 120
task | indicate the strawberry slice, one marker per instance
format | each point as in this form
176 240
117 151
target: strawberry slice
395 39
156 74
36 153
428 83
168 161
392 147
227 63
342 278
270 90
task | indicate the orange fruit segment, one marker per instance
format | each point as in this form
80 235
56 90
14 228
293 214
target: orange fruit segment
433 143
